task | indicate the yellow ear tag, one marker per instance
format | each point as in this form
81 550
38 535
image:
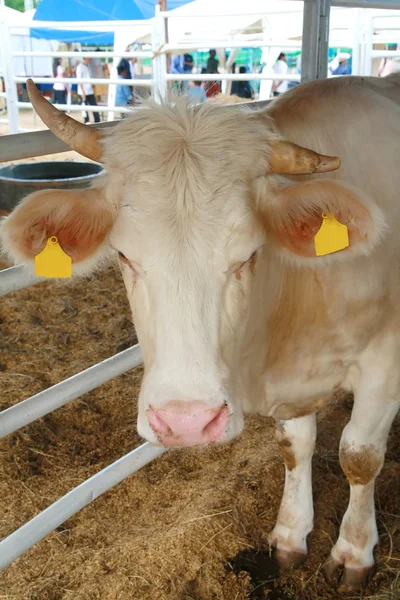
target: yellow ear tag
52 261
331 237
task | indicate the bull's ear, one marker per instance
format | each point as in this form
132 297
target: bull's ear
81 220
292 214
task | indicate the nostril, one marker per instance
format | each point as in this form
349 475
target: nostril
216 427
156 422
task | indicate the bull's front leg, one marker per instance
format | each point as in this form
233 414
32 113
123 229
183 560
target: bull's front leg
296 439
362 450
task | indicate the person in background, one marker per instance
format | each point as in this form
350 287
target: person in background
128 65
196 93
95 71
211 88
73 63
95 67
244 89
212 68
85 90
387 65
342 68
2 99
279 86
59 88
266 84
234 87
212 62
188 64
123 95
177 64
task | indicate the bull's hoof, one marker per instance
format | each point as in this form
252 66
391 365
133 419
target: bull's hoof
355 580
332 571
347 579
288 560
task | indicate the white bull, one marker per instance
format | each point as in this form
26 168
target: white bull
213 214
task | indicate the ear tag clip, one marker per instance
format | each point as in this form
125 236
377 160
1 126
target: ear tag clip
52 261
331 237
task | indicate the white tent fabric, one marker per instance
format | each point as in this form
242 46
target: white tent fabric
283 22
207 20
19 24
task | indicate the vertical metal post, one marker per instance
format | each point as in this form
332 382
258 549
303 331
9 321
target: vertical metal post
11 88
314 55
355 59
368 44
323 39
160 88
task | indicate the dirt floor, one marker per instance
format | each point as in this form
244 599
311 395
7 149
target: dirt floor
190 526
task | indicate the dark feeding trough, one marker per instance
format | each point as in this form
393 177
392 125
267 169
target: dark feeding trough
19 180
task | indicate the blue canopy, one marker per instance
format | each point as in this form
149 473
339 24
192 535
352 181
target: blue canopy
93 10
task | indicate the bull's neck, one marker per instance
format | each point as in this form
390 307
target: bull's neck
280 294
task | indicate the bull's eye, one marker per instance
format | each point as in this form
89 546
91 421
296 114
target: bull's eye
239 267
250 261
126 262
123 258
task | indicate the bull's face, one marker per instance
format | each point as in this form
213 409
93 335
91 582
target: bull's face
188 258
188 241
193 215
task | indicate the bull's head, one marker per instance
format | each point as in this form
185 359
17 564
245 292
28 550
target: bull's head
197 208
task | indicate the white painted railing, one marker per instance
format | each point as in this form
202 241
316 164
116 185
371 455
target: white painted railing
40 404
16 278
45 522
43 403
99 108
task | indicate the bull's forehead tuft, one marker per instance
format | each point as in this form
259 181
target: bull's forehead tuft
215 142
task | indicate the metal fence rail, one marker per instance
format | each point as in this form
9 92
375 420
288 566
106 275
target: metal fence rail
38 143
111 54
16 278
73 80
45 522
41 404
80 108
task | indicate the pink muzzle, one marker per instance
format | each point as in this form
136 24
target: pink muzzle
193 423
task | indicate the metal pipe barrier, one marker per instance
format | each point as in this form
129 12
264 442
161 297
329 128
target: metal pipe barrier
41 404
73 80
57 513
230 77
84 54
80 108
17 278
38 143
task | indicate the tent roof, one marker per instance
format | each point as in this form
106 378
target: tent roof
280 20
93 10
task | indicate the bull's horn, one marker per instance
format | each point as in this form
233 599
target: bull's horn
290 159
81 138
